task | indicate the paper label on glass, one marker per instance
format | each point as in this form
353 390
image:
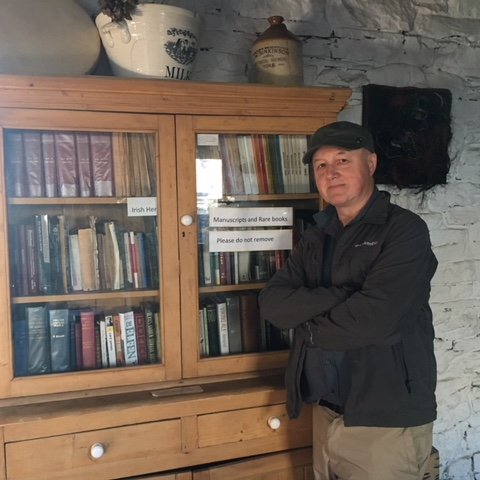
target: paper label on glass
141 206
251 217
207 139
249 240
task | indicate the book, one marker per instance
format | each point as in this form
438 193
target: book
120 154
32 142
119 348
244 267
84 165
66 158
23 270
102 259
141 337
102 328
42 239
88 251
55 247
233 182
141 262
247 164
38 340
110 340
101 154
59 325
151 328
203 246
129 340
77 340
202 332
134 263
87 323
222 325
98 343
234 324
15 261
113 265
158 335
20 341
260 164
141 164
15 164
250 319
75 337
32 256
75 262
151 259
212 329
49 164
64 254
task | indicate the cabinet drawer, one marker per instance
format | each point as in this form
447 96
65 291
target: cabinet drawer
128 451
269 423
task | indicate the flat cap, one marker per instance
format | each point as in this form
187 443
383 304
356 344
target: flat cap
347 135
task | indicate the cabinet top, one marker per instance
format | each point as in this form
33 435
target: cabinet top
116 94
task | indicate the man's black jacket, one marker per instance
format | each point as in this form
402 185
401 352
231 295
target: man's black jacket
376 311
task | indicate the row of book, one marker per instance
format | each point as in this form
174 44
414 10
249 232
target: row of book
79 164
234 268
50 339
230 324
262 164
48 256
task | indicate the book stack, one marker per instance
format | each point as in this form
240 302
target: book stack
79 164
230 324
50 339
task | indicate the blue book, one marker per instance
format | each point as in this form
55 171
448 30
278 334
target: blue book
60 340
20 342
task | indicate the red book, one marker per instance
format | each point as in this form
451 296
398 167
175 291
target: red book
87 322
261 168
101 153
141 337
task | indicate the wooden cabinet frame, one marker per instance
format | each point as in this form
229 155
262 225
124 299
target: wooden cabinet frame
70 410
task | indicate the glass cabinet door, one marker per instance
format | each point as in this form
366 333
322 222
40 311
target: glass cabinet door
254 197
86 250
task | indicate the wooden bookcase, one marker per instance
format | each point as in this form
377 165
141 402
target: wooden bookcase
182 407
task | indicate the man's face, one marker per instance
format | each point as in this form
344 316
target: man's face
344 178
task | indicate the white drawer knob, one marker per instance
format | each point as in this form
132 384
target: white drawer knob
274 423
186 220
97 450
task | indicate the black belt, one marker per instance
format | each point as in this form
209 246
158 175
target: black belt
336 408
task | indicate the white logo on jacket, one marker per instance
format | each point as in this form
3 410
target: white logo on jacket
365 244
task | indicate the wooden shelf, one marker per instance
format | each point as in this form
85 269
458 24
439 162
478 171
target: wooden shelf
72 297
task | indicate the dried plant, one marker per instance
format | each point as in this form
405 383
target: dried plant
118 10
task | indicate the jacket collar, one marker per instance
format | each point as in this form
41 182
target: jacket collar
374 212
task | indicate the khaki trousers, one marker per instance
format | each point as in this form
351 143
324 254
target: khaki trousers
367 453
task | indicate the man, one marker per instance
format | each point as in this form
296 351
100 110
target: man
356 291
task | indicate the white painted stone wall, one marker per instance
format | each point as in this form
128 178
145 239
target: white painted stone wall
422 43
